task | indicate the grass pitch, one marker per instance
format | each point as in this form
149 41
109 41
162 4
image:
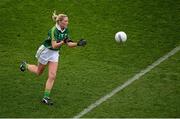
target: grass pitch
86 74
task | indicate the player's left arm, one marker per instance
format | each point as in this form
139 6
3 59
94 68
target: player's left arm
72 44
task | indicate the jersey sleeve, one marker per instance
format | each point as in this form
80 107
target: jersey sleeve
68 36
54 34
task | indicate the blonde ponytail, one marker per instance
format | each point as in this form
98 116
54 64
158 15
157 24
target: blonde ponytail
54 16
58 17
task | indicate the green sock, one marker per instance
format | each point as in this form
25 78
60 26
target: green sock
26 65
46 93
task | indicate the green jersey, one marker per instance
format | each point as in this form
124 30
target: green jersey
55 33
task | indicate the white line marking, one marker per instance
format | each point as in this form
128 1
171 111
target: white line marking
128 82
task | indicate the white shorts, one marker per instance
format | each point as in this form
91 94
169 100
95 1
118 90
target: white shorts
44 55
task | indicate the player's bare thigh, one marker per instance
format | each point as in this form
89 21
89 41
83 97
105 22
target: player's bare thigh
40 68
53 66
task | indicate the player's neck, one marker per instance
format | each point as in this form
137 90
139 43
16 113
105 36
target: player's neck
62 28
59 27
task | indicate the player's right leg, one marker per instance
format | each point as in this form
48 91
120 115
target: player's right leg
42 59
37 69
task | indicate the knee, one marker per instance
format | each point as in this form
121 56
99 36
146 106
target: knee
52 76
39 72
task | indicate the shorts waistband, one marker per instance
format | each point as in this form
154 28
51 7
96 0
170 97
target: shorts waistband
53 49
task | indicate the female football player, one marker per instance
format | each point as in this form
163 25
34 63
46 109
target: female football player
48 53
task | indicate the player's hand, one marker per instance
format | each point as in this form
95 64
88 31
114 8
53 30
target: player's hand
81 42
62 42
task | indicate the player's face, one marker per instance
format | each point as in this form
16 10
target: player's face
64 22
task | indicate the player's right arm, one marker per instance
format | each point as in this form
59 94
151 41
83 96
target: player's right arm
55 44
54 39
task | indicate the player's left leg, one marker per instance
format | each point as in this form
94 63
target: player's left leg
53 66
